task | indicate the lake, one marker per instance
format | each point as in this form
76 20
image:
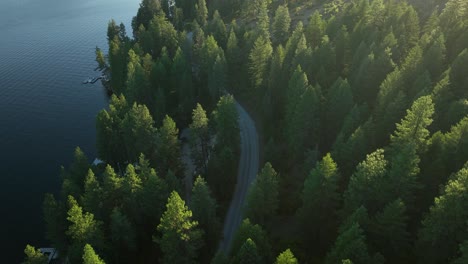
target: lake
46 51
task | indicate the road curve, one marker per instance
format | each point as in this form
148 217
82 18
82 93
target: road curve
247 171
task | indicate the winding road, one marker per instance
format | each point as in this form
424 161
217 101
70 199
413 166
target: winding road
247 171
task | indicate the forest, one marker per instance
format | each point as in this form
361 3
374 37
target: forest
362 113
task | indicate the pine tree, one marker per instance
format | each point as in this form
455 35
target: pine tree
83 229
263 196
138 131
248 254
445 224
389 231
201 12
199 137
263 21
257 235
218 29
180 237
259 60
204 206
234 61
168 146
281 25
217 79
320 194
366 183
90 256
93 194
315 30
286 257
413 128
351 244
339 104
123 234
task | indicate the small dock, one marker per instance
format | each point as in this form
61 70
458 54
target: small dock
95 79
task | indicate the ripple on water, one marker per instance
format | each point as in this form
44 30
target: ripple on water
46 51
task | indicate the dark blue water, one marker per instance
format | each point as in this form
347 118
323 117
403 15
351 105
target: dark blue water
46 51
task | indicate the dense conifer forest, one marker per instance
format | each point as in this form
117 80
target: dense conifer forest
362 111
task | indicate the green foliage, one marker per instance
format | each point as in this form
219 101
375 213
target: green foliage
199 137
286 257
34 256
350 244
204 208
320 194
180 237
247 230
259 60
445 224
366 184
218 29
122 231
464 254
315 30
226 121
100 59
90 257
138 132
201 12
83 229
263 197
248 254
389 231
413 128
281 24
168 146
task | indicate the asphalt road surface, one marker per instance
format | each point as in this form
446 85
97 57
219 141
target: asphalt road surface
248 169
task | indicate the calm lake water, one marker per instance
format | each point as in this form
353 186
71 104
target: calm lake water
46 51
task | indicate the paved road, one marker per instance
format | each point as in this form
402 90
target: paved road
248 169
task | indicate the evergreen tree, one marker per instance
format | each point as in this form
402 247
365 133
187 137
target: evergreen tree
180 237
315 30
138 131
259 59
90 257
199 137
92 196
286 257
263 196
226 121
168 146
320 194
83 229
339 104
248 254
234 61
122 233
217 79
263 21
100 59
204 208
281 25
257 235
366 183
413 128
351 244
201 12
218 29
389 231
445 224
